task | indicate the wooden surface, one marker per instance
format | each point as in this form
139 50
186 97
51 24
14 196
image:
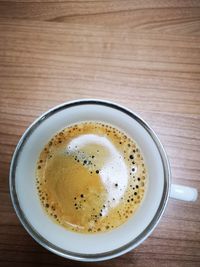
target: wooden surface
142 54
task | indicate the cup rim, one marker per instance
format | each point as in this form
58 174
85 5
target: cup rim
80 256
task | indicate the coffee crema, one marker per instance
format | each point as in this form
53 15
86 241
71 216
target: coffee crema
91 177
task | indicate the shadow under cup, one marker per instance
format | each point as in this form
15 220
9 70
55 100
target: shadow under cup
88 247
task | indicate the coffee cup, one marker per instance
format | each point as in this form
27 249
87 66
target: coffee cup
97 246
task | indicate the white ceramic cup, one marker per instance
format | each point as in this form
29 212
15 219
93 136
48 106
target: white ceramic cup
100 246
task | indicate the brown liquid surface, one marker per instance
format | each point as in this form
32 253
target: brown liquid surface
91 177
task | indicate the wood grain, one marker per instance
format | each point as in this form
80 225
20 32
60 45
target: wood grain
142 54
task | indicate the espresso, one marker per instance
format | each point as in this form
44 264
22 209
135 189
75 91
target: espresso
91 177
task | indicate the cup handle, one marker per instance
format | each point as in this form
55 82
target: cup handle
183 192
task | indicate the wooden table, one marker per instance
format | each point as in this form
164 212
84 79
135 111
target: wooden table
142 54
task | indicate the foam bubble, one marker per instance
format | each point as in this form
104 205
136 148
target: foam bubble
104 151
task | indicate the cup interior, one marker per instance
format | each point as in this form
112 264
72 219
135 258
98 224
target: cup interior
24 192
